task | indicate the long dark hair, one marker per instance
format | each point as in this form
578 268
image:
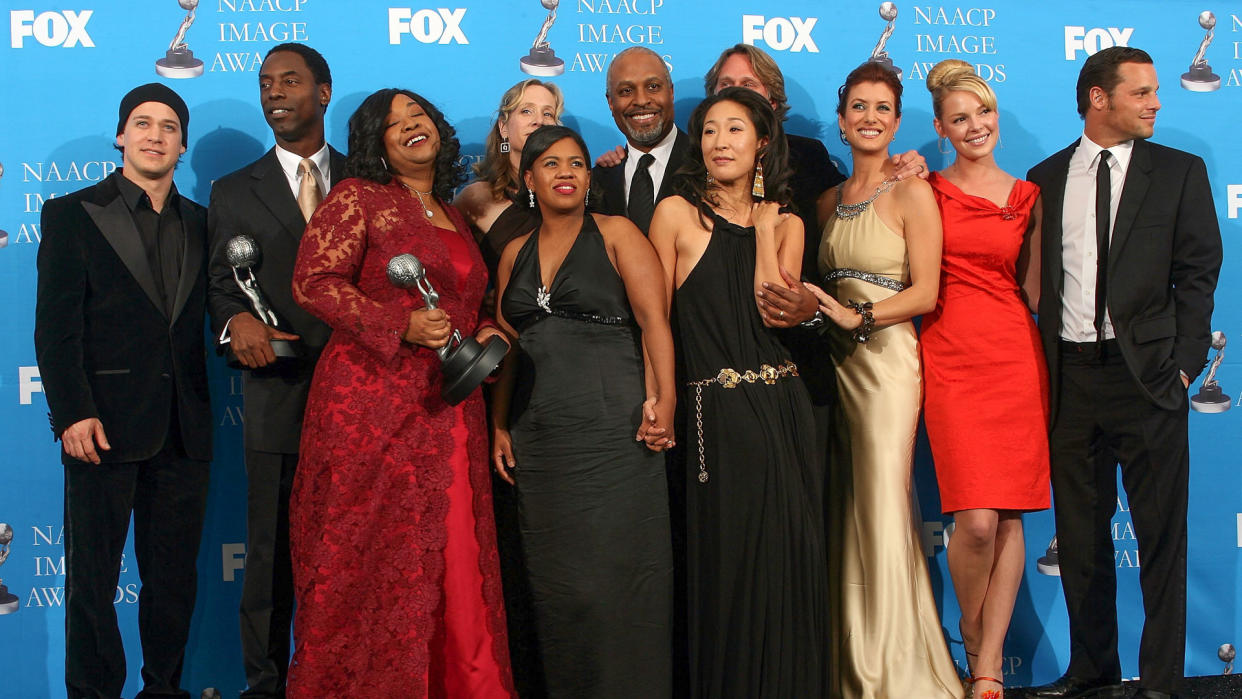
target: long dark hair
691 180
536 145
366 143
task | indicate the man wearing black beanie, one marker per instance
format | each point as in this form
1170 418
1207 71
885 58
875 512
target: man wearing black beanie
119 339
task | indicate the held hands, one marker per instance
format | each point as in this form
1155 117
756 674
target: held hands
252 340
428 327
844 317
656 429
81 438
910 164
784 306
502 455
611 157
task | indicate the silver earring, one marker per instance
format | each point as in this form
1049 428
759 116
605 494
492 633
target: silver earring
531 192
504 145
384 162
843 141
942 145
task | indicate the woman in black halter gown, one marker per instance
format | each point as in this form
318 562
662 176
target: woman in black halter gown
757 566
584 296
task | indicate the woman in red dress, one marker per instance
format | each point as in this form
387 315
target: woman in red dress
392 536
985 382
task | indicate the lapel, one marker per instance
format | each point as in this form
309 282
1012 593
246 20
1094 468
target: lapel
611 184
336 163
1133 191
192 226
1054 207
116 224
271 188
681 144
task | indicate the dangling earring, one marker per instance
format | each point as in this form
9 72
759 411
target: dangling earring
756 189
531 192
504 145
943 145
709 180
384 162
843 141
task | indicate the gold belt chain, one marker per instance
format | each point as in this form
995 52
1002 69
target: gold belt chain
730 378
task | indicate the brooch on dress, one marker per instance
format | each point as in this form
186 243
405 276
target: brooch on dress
543 299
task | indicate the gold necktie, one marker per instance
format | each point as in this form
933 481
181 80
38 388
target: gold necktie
309 195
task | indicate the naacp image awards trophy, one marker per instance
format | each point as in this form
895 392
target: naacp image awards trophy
466 363
179 60
1210 398
542 60
8 601
242 252
1200 77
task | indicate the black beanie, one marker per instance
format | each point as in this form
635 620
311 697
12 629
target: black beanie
154 92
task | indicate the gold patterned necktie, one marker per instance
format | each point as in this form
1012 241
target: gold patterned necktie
309 195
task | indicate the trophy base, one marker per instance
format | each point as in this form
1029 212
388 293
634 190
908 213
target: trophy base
1049 565
469 365
888 63
1194 84
542 62
179 64
284 350
1208 401
8 602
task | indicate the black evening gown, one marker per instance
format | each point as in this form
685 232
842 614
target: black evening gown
757 565
592 501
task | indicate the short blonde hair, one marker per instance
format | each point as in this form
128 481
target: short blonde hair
956 75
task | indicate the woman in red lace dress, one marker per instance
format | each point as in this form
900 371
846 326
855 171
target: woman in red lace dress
392 537
985 382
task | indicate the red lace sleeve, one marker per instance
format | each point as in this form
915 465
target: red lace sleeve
326 274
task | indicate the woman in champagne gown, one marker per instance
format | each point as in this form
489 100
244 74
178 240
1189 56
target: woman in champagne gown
756 565
880 258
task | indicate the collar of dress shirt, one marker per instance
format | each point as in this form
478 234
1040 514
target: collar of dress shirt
289 163
1088 151
661 151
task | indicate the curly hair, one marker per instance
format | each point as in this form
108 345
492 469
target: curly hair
496 169
870 72
367 159
691 181
537 144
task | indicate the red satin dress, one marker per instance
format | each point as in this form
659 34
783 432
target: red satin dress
984 379
391 529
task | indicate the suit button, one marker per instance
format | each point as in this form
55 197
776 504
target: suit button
165 376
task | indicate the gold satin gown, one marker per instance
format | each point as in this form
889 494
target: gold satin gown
887 641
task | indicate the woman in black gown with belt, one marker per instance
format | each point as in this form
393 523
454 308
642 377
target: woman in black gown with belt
578 424
757 566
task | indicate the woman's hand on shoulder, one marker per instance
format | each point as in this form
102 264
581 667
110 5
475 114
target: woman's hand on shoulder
767 216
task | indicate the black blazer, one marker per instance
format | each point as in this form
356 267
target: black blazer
608 183
105 346
1163 261
256 200
812 174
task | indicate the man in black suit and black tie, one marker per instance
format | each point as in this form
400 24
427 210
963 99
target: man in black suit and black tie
1131 251
640 95
271 200
119 340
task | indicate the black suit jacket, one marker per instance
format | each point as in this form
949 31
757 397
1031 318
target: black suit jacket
105 345
608 183
256 201
1163 261
813 174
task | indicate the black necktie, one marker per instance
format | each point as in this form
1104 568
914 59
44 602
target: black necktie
1103 211
642 194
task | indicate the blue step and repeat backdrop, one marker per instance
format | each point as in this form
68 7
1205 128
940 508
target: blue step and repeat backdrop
67 63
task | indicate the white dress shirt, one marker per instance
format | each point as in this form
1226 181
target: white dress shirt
1078 244
289 162
662 151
